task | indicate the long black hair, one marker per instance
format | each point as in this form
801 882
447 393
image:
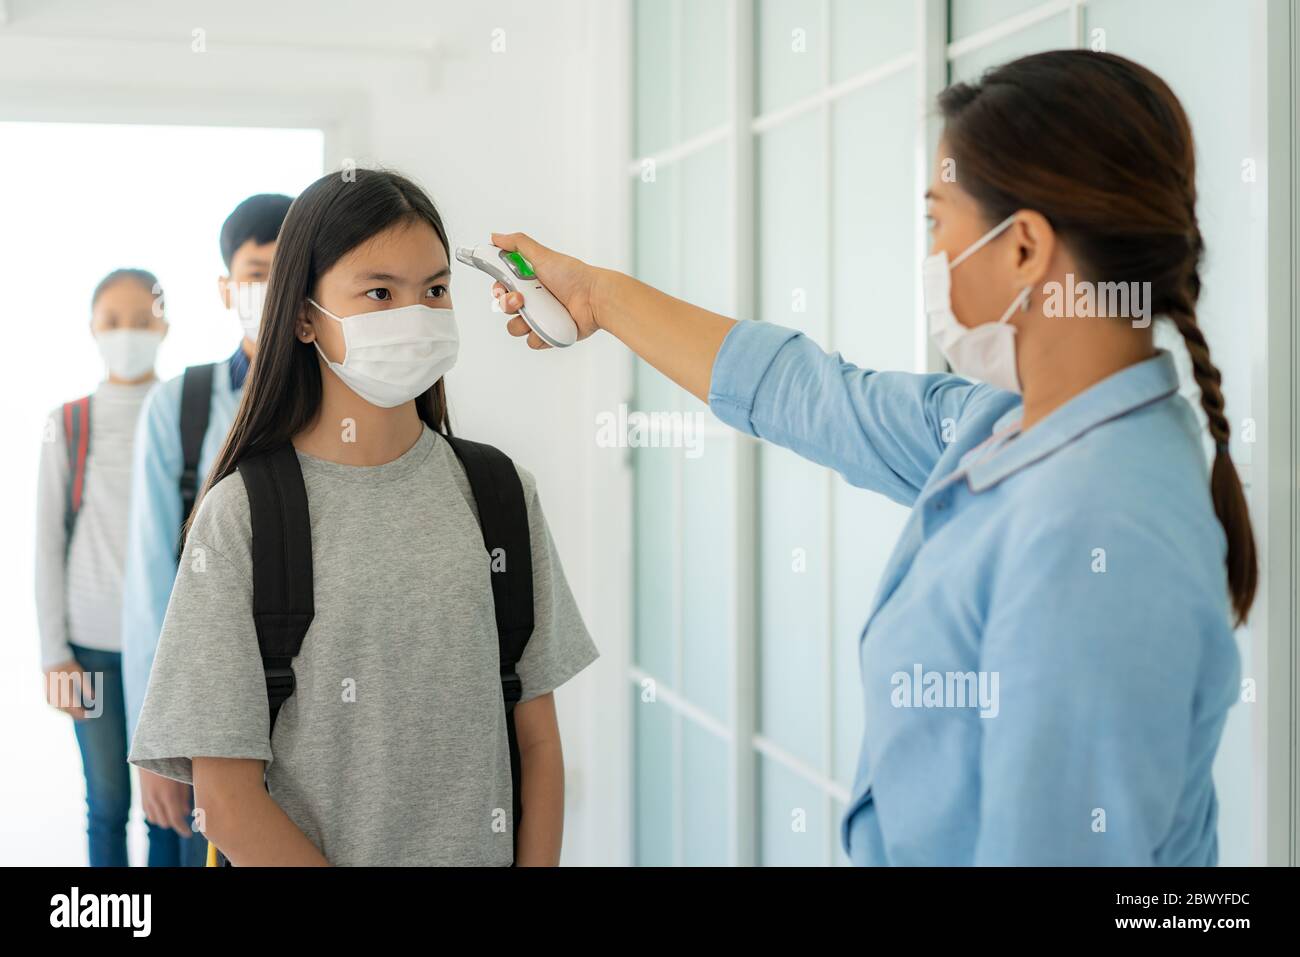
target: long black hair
1102 148
331 217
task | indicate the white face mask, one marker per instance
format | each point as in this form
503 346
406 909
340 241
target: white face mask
394 355
249 297
129 353
986 352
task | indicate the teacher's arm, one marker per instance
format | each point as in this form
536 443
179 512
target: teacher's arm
883 431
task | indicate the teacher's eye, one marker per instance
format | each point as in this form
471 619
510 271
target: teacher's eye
437 292
379 295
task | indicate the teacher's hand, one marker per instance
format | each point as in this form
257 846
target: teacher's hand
679 339
570 280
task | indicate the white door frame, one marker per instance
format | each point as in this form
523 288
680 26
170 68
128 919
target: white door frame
1276 378
343 118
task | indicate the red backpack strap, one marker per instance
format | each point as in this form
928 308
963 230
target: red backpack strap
76 433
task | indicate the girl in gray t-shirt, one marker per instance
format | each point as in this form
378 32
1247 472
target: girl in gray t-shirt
392 750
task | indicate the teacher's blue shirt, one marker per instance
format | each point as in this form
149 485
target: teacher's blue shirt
1049 660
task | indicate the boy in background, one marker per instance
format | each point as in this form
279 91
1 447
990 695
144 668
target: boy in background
181 430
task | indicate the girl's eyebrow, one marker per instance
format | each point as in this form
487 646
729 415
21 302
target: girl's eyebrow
389 277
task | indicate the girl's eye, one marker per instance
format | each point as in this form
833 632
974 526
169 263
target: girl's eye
380 295
436 292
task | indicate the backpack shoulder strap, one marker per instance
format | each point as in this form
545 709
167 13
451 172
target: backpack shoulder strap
76 434
196 407
283 595
503 517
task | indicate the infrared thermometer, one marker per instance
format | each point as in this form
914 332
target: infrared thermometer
542 311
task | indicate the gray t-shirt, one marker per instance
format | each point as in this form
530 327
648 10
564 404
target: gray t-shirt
392 750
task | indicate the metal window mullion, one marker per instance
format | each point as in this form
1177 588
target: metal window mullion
828 553
744 598
670 698
931 77
678 478
800 768
680 152
1009 26
831 93
1275 624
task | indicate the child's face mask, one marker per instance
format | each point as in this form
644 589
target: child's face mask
129 353
394 355
249 297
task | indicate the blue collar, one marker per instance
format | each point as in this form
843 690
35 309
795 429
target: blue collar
1117 395
238 369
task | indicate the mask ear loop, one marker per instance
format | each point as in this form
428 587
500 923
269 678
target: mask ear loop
1021 301
983 241
323 309
316 339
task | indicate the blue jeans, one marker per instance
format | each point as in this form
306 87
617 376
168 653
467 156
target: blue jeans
167 848
102 740
104 746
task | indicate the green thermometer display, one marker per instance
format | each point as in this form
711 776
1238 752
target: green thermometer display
541 310
521 266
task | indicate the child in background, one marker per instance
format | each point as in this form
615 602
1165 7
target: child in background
82 493
167 473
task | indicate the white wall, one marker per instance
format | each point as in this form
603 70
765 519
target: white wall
512 114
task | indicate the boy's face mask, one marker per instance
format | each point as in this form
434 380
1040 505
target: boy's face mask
249 298
985 352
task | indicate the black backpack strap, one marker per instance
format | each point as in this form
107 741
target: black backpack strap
503 517
76 433
196 407
283 594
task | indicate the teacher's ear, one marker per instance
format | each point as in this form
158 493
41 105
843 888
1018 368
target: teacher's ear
1034 245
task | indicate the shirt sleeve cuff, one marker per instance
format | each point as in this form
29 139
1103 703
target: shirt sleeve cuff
746 354
175 760
56 654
